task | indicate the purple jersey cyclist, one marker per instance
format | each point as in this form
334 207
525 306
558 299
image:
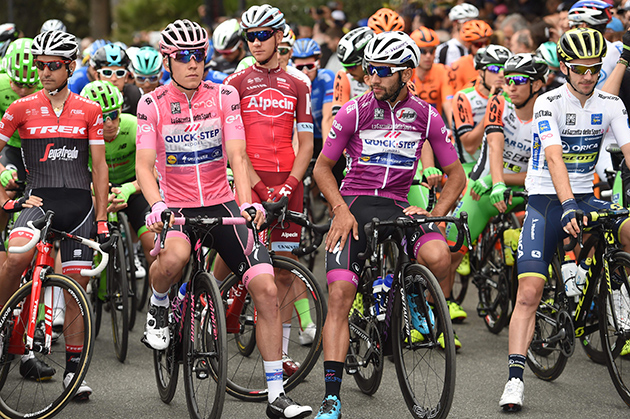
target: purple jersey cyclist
382 132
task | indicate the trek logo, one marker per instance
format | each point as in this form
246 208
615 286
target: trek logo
60 129
270 99
62 153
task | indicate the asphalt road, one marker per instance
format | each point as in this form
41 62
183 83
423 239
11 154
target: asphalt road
584 389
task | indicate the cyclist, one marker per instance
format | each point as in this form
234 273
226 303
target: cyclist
451 50
476 35
555 78
59 131
285 50
382 132
169 120
386 20
146 66
86 73
112 64
568 128
8 33
227 41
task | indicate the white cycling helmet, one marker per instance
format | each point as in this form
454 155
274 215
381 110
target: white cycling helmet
227 36
463 12
53 25
288 36
55 43
264 16
396 48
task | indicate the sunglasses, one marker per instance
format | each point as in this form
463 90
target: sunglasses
144 79
185 55
284 50
262 36
308 66
494 68
108 72
516 80
427 51
24 85
52 65
582 69
111 116
383 71
481 44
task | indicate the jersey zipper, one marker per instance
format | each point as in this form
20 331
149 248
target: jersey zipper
273 131
391 111
199 187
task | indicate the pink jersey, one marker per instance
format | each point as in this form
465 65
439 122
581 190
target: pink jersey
189 140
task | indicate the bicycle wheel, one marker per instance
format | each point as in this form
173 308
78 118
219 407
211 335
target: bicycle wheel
118 299
614 325
245 374
426 373
369 353
547 360
97 304
460 287
125 229
306 238
166 362
21 397
143 290
205 361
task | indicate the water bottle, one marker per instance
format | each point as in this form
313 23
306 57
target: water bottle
510 241
380 290
176 305
582 271
377 288
569 271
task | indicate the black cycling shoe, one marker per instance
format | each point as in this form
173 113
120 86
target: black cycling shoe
36 370
285 408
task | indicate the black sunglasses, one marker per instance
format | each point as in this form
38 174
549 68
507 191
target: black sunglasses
52 65
262 36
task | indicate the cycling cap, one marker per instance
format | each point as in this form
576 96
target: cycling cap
592 12
288 36
18 62
474 30
581 44
548 51
264 16
492 54
529 64
183 34
53 25
105 93
227 36
464 12
109 55
147 61
351 46
395 48
306 47
425 37
386 20
245 63
55 43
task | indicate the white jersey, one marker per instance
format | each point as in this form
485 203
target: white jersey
450 51
613 52
560 119
299 74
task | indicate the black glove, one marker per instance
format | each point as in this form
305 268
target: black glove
102 231
625 52
14 205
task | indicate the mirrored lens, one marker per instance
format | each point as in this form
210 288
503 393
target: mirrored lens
144 79
494 68
516 80
108 72
184 56
283 50
111 116
52 65
308 66
262 36
582 69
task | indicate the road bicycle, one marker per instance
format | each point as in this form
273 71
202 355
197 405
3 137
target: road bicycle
26 327
246 378
416 320
313 212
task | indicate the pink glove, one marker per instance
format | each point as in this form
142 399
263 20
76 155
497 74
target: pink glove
156 213
284 190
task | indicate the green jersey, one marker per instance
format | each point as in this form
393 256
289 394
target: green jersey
7 97
120 152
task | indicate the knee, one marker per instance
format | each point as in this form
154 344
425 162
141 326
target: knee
264 290
339 300
528 296
439 262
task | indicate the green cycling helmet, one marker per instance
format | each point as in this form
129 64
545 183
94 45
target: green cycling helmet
147 61
18 62
104 93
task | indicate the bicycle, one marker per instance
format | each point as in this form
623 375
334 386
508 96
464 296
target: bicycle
425 369
26 326
559 319
308 209
246 379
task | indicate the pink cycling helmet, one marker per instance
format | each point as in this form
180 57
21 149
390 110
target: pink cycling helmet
183 34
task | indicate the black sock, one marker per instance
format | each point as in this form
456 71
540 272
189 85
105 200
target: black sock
73 355
516 364
333 373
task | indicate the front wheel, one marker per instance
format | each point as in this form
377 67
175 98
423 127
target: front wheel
118 298
425 369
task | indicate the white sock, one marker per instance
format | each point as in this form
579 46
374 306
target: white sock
273 372
159 299
30 355
286 335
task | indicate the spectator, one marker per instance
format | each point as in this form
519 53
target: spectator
333 36
521 42
510 25
622 13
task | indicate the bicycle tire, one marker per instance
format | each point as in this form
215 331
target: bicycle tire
166 362
125 229
143 294
426 373
118 299
547 362
205 350
97 305
44 400
245 375
306 237
615 334
370 373
460 287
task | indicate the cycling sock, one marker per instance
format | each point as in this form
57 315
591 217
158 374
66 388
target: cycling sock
304 312
159 299
516 364
333 373
273 372
28 356
286 335
73 355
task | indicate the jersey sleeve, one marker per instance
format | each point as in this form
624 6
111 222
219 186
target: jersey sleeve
493 119
329 84
343 128
146 136
545 125
341 91
462 114
9 123
233 128
445 85
95 122
437 134
304 115
619 123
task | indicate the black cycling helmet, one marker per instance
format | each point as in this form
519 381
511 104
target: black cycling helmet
351 46
110 55
581 44
492 54
531 65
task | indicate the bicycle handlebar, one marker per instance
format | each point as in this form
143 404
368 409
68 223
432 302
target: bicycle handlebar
591 217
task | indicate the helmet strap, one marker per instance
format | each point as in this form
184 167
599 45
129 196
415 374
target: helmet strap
571 84
483 82
392 98
530 97
65 83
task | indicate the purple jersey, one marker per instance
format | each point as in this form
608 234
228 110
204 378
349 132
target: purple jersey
383 145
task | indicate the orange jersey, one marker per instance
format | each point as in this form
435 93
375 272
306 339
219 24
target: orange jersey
464 72
469 108
435 88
